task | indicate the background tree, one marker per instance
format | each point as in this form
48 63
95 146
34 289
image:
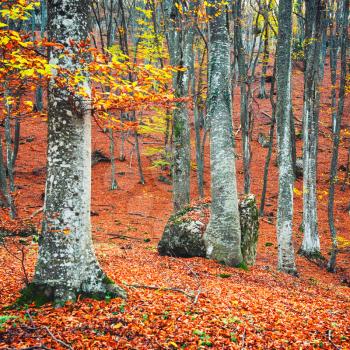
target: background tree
286 261
313 40
180 43
344 42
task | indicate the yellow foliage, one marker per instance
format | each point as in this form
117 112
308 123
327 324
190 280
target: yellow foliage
343 242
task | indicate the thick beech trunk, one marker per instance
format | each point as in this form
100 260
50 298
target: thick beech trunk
286 261
67 264
223 234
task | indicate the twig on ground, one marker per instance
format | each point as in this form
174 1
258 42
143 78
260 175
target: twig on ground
34 347
49 333
121 236
238 130
36 212
197 278
56 339
265 220
266 115
195 300
143 216
329 333
243 340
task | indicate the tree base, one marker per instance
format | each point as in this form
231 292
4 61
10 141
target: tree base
289 271
222 251
40 294
184 236
314 256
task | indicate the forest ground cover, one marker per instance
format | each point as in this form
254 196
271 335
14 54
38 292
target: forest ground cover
199 303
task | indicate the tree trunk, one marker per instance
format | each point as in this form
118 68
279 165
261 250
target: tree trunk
311 244
3 184
223 234
265 63
333 53
271 137
336 134
347 172
114 183
243 79
198 121
286 261
180 47
67 265
8 140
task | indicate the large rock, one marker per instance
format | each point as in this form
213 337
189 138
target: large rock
183 234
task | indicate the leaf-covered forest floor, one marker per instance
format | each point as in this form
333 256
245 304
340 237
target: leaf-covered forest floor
199 303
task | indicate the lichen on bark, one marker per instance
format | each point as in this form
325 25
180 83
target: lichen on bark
249 219
223 235
67 265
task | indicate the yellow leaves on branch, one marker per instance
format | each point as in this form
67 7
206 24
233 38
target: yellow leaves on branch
117 83
120 85
19 10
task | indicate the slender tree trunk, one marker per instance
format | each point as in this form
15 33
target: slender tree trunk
8 140
336 135
67 265
266 55
300 37
347 172
180 43
43 21
223 234
271 137
3 184
286 260
16 142
293 138
314 12
114 183
138 153
198 125
333 56
125 47
243 70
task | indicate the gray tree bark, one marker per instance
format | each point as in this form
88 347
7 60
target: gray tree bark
286 261
4 186
313 35
271 137
67 265
336 135
223 234
180 42
243 80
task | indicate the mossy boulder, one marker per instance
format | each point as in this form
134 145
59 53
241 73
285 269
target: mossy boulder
183 234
